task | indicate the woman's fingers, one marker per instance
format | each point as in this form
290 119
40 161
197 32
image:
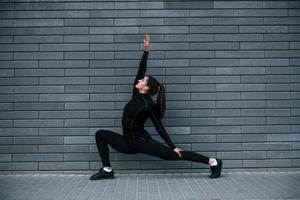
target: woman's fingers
179 154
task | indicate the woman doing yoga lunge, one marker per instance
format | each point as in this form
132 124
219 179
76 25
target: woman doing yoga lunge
135 138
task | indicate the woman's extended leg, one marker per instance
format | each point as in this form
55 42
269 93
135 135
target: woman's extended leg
155 148
115 140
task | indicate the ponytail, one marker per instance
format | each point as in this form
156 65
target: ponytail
161 101
157 88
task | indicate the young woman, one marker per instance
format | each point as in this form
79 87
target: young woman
135 138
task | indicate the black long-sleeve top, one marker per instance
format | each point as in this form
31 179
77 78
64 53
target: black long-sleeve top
139 109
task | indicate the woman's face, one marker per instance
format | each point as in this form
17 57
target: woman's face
142 84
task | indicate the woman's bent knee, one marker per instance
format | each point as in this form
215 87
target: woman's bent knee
100 133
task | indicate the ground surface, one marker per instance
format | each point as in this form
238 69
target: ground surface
189 186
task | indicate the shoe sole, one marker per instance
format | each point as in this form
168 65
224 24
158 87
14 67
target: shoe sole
102 178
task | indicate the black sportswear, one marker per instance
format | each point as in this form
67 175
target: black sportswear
139 109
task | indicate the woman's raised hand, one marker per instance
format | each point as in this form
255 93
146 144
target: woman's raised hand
146 42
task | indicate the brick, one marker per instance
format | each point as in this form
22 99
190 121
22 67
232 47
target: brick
268 163
39 6
267 146
39 89
189 37
6 140
88 122
18 131
38 123
38 22
37 157
164 164
89 105
64 97
240 4
216 146
88 22
213 29
263 12
283 154
18 148
63 165
18 115
215 46
6 56
64 64
113 47
63 80
19 166
88 38
216 96
239 37
257 155
216 129
263 29
6 123
113 30
283 137
63 114
139 21
19 81
39 106
90 72
88 5
264 45
63 148
38 140
89 89
38 55
37 39
214 13
18 64
188 21
164 29
139 5
242 138
114 13
88 55
39 72
279 37
6 106
64 47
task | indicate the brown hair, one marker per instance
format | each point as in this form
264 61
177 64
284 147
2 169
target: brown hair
156 87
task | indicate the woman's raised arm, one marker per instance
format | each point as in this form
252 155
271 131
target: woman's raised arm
143 64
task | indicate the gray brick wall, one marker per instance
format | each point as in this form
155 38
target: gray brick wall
231 71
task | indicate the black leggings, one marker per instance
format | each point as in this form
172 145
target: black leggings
149 146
